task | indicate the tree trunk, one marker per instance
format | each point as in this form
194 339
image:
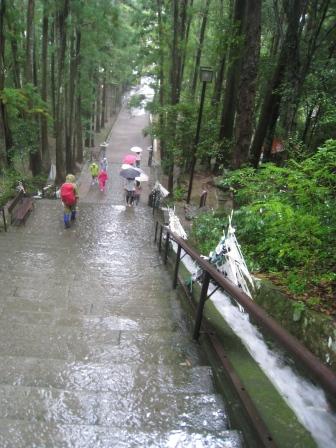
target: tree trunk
92 133
229 103
79 131
179 22
4 159
69 108
53 75
78 111
30 42
219 82
60 95
98 106
35 76
14 47
103 108
35 155
199 48
189 18
44 90
247 84
272 99
220 64
161 74
298 67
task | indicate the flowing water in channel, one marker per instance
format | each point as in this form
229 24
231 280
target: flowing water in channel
307 401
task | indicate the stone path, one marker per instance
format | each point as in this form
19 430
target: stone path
94 347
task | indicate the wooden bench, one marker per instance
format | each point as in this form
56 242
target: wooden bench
20 208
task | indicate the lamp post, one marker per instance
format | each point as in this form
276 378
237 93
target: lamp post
206 74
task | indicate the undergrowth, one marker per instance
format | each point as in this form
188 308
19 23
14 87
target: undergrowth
285 221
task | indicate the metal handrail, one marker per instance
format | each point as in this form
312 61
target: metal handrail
322 373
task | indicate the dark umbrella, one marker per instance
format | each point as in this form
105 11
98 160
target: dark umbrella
129 171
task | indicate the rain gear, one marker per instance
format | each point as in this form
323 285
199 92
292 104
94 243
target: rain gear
70 210
103 164
94 170
102 178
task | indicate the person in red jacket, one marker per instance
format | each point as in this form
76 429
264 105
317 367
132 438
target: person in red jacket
102 178
69 196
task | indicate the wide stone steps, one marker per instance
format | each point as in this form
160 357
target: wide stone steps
158 412
20 434
95 377
95 349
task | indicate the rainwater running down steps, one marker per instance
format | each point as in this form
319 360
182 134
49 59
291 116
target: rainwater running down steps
94 350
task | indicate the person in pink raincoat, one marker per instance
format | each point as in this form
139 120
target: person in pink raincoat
102 178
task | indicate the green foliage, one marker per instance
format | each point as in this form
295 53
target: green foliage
179 193
286 220
23 101
136 101
9 179
207 230
298 309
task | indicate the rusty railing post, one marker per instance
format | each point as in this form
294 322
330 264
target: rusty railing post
178 256
201 303
160 241
166 247
156 229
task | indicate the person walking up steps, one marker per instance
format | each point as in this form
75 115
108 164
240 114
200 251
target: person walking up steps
129 188
94 170
69 196
137 192
103 164
102 178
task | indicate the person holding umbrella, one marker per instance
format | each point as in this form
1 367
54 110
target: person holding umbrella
129 159
129 173
130 190
137 192
138 152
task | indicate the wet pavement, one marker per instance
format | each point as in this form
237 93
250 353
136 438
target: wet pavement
94 346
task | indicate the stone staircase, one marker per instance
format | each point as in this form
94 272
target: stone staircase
94 346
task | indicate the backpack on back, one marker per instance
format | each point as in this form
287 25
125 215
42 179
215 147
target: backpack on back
68 194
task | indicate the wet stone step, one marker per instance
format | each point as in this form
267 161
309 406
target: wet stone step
60 264
23 434
18 274
97 345
122 379
12 305
141 411
32 301
61 317
29 243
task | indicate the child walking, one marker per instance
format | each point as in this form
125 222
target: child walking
94 170
102 178
137 192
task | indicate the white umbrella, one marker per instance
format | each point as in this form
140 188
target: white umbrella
142 178
136 149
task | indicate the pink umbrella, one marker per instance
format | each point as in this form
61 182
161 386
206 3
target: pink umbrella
129 159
